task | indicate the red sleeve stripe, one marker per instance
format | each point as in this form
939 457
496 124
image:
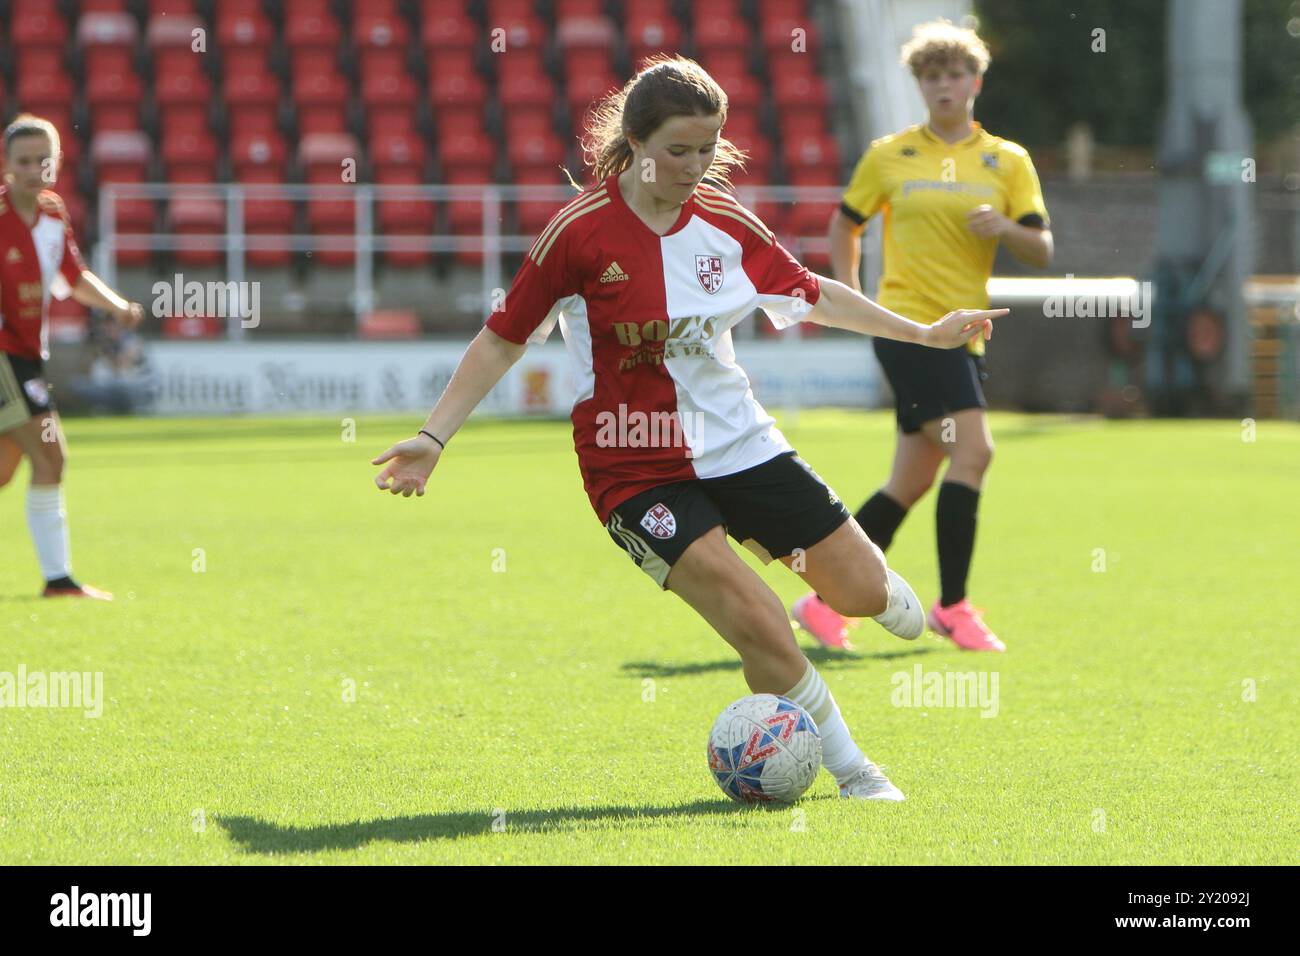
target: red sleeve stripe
579 206
737 212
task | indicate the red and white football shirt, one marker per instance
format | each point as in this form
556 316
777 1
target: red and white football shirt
36 261
647 323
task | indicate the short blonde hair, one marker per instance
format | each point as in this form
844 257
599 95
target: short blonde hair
941 42
25 124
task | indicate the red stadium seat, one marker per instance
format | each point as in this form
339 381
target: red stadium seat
383 122
379 61
30 29
189 149
400 150
331 217
811 151
184 118
255 118
371 29
780 33
116 117
196 216
320 89
404 217
536 149
323 154
169 30
461 63
389 89
743 90
171 8
466 89
106 29
801 124
532 215
565 9
37 92
715 30
193 327
584 90
388 324
266 150
520 123
310 29
247 89
725 62
466 149
243 28
114 89
267 215
103 6
328 118
236 60
180 89
520 91
585 33
450 32
795 92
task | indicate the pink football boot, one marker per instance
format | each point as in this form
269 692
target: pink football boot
963 624
828 626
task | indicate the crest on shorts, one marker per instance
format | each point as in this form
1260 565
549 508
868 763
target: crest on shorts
709 271
659 521
36 391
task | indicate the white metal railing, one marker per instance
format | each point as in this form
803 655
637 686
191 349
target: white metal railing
364 241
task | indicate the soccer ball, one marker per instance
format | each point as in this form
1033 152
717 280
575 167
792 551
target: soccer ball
765 748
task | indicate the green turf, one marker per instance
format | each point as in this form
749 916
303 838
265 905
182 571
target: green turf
1122 735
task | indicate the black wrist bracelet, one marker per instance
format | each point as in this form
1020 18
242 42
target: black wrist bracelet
441 444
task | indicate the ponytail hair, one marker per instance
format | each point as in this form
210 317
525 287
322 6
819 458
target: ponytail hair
664 87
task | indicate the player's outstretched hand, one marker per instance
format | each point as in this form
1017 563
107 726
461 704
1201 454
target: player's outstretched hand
410 463
131 316
958 328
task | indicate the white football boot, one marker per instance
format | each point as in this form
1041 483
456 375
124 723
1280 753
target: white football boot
904 617
868 783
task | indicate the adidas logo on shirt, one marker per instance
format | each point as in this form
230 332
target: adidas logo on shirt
614 273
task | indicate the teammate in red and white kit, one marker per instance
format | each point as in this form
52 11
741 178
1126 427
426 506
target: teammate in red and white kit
646 274
39 258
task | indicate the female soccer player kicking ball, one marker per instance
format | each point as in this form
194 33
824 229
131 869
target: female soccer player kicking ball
39 258
950 192
646 273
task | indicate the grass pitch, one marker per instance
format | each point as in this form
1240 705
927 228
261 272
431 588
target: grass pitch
298 669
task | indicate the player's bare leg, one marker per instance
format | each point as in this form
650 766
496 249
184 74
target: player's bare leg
916 461
10 457
849 574
738 604
970 451
41 439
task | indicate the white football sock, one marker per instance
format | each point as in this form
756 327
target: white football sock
48 522
840 755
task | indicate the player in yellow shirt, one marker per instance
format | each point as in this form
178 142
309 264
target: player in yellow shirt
949 192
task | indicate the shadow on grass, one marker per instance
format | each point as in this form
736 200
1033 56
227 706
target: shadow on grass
259 836
820 656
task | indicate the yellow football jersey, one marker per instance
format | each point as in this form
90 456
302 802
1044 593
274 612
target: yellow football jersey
925 187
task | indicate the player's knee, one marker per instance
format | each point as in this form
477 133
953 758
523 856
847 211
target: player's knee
866 596
975 457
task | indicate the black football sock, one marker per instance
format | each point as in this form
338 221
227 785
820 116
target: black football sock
880 517
954 524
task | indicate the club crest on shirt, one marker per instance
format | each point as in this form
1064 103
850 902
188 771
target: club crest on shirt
709 271
990 160
659 521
